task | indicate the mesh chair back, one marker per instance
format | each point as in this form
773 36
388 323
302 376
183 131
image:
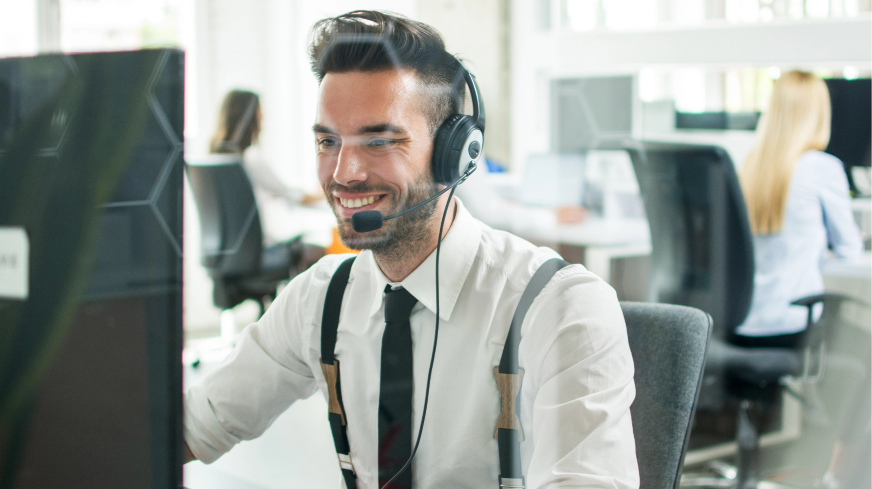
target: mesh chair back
702 250
668 344
231 239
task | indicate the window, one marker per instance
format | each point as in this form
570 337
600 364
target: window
18 33
112 25
618 15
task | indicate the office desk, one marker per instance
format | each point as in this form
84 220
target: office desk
852 278
600 239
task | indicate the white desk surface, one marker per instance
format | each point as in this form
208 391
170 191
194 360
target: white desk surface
861 203
860 267
602 239
607 239
594 232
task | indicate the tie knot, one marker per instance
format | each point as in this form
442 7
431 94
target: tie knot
398 304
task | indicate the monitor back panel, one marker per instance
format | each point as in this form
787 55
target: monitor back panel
90 359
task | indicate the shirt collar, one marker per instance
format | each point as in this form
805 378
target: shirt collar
459 247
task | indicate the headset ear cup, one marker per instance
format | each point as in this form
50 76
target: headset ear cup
447 146
441 146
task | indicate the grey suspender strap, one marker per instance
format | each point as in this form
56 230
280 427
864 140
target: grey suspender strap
508 430
330 368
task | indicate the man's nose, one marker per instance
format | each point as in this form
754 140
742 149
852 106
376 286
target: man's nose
350 166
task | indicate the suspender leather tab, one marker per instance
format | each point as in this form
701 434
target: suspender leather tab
508 376
509 386
330 368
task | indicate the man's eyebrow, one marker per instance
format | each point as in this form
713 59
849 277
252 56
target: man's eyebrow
323 129
379 128
371 129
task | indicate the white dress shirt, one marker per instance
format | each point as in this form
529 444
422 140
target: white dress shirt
575 397
788 263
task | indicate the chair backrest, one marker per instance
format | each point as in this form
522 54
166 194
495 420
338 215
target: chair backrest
668 344
231 238
702 251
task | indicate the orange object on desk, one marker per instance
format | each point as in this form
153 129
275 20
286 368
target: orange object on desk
336 247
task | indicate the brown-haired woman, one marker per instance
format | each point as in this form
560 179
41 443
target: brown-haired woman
237 131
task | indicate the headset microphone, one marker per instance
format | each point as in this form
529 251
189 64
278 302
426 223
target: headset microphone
366 221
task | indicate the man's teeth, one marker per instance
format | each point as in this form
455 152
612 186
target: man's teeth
355 203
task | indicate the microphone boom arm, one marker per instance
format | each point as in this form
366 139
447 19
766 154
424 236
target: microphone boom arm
466 174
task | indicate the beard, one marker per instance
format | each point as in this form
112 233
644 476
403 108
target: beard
398 236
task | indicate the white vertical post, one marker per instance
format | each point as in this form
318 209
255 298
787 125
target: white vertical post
48 26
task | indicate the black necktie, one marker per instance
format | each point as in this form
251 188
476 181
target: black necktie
395 394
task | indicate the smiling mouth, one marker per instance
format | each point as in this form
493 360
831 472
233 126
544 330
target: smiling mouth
357 203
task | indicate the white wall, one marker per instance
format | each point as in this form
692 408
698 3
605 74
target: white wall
477 32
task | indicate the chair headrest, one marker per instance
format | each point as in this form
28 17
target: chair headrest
213 159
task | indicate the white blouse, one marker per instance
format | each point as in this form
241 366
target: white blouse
788 264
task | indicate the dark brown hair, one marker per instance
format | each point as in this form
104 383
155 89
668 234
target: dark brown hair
238 124
366 40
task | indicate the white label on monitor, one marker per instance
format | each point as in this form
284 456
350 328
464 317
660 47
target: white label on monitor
14 263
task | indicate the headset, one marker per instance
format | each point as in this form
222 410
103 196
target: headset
457 151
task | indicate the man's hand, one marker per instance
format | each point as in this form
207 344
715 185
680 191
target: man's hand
189 455
570 214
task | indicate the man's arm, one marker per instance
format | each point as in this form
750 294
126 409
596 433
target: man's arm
264 374
581 370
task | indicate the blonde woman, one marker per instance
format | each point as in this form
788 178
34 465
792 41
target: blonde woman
798 204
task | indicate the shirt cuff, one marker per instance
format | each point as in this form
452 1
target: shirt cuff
205 436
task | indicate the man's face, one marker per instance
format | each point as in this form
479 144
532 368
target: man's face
373 149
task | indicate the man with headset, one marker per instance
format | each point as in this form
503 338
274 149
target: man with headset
459 376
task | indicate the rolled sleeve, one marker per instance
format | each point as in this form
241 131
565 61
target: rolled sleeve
241 398
258 381
584 370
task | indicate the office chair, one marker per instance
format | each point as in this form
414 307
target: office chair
232 238
703 257
668 344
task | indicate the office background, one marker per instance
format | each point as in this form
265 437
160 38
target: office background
532 58
678 55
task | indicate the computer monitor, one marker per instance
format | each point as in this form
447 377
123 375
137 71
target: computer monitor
701 120
91 342
734 121
591 113
851 131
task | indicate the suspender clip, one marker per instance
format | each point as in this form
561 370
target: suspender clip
510 483
345 462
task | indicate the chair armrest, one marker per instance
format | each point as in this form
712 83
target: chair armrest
809 303
834 300
810 300
815 338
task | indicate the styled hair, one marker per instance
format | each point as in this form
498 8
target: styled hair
238 122
798 120
372 41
